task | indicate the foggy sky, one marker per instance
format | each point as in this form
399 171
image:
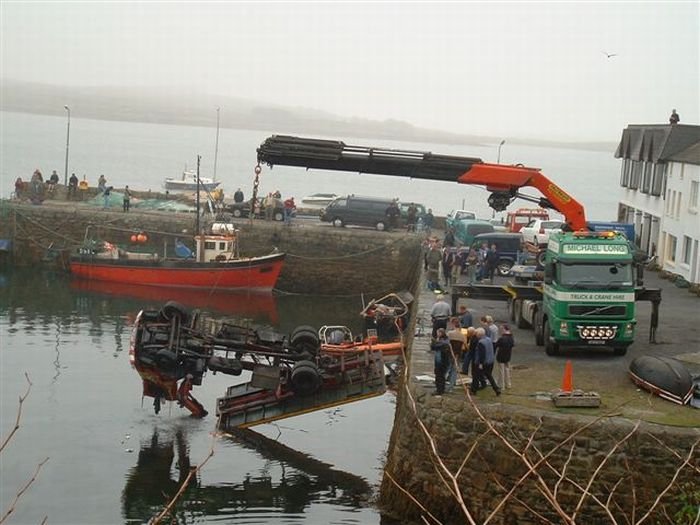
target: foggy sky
501 69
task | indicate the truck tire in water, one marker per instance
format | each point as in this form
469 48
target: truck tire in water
304 338
173 309
306 378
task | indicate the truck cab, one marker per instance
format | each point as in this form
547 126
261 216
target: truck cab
588 294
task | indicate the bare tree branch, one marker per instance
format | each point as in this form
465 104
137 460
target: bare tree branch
19 413
413 499
26 486
670 484
586 491
454 484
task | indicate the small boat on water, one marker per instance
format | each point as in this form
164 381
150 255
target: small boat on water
385 320
215 264
664 377
188 182
318 200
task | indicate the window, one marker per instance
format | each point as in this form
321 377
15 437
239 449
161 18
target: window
671 248
646 181
693 200
210 245
678 205
625 173
658 179
687 243
636 175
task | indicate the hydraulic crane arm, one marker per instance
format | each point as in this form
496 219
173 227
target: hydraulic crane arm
503 181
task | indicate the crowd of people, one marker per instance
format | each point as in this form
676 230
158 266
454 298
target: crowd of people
461 348
444 262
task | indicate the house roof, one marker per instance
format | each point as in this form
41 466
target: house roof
660 143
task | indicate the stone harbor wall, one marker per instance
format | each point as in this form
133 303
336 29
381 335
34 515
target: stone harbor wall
565 451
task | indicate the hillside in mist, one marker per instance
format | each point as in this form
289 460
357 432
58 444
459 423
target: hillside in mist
165 106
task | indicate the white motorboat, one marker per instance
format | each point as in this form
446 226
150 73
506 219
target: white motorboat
188 182
318 200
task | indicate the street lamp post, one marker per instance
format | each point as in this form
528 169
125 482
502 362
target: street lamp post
499 151
65 173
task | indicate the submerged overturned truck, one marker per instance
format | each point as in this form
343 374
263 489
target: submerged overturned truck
583 294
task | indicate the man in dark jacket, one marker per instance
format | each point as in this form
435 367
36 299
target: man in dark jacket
491 263
483 363
442 350
504 349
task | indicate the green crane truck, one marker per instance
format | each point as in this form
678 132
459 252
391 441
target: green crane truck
588 293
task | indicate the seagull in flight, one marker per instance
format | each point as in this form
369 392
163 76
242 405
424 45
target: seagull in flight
609 55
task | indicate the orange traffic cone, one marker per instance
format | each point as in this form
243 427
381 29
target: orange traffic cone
567 383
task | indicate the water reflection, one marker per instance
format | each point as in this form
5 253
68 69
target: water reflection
288 482
72 341
260 307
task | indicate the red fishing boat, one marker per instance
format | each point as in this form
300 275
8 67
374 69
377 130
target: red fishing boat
215 265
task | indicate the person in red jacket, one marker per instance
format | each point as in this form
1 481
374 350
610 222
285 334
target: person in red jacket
289 209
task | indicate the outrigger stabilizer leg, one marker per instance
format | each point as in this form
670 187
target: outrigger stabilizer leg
185 398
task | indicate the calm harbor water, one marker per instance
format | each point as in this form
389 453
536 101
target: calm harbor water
111 459
143 155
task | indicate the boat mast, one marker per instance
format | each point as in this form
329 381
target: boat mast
216 148
196 228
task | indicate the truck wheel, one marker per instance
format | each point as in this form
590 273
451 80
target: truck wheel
165 360
304 339
305 378
550 347
620 350
520 321
539 330
338 222
381 226
540 258
173 309
511 310
504 268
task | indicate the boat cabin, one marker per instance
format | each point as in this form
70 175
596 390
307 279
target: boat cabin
218 246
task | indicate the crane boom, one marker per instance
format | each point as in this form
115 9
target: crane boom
503 181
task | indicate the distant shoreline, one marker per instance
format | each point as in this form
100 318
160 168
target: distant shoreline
129 105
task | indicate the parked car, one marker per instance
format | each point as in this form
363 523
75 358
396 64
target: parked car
537 230
498 225
242 209
458 215
465 230
357 211
508 246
